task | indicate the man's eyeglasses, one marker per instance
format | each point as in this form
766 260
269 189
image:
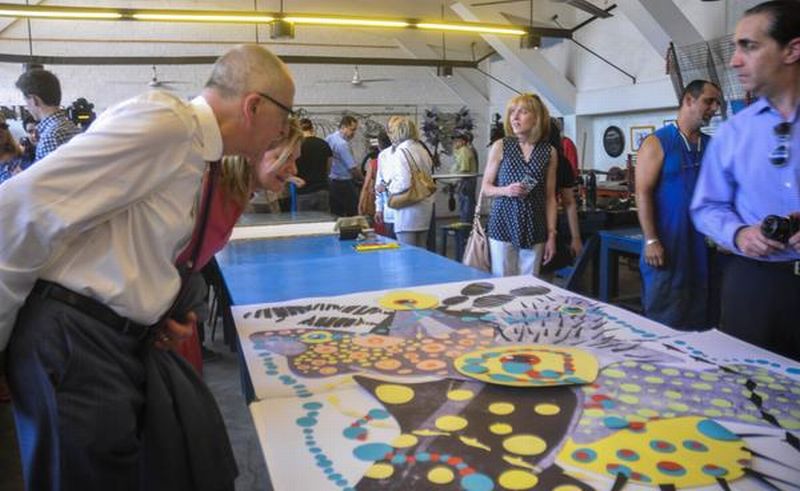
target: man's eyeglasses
288 110
780 155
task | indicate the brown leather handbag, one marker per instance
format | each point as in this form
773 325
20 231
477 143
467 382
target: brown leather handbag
421 186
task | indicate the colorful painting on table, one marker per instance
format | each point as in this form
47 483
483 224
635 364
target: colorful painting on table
511 383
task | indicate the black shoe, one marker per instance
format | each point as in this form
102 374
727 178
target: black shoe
209 355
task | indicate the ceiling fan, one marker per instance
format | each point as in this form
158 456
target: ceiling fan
584 5
356 80
155 82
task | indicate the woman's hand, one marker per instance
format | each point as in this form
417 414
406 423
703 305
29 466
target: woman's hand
171 333
576 246
549 249
516 190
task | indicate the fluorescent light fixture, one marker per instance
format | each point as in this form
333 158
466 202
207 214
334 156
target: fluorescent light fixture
11 10
281 29
199 17
245 17
474 28
344 21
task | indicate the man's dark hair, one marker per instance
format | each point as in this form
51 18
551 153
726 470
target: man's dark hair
306 124
40 83
695 88
784 19
347 121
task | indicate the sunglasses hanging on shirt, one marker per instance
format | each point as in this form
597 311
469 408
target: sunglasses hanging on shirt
780 154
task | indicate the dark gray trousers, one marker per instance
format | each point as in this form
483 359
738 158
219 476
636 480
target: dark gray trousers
78 393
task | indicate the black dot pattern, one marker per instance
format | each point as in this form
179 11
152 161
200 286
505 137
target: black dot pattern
521 221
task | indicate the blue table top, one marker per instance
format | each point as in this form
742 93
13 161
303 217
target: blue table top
632 233
274 270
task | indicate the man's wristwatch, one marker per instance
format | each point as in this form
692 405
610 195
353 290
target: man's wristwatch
650 242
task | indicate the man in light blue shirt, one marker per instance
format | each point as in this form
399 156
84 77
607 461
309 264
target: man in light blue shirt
344 171
752 170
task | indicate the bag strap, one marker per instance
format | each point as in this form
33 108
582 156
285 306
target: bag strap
477 215
412 163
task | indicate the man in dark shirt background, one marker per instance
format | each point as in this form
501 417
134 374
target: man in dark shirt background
313 167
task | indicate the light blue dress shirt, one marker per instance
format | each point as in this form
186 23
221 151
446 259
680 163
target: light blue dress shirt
342 156
738 185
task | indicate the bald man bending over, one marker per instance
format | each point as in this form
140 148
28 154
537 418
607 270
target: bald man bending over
90 236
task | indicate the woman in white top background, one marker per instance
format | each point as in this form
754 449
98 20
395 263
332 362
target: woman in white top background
411 223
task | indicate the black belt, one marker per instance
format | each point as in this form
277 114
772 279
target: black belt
791 267
90 307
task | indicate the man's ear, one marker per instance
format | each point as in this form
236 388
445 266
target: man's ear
37 101
250 107
792 51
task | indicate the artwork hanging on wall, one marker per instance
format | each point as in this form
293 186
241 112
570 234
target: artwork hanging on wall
613 141
638 134
510 383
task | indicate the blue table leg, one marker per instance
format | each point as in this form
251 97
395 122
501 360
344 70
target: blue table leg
605 271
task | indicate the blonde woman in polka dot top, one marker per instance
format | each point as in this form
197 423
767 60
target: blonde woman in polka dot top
521 177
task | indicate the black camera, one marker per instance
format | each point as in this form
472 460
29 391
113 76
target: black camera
778 228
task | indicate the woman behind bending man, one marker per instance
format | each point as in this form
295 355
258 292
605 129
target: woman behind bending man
521 175
411 223
237 180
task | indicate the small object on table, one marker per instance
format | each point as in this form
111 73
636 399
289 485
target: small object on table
375 246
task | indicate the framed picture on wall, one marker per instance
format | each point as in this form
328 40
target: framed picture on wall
638 134
668 122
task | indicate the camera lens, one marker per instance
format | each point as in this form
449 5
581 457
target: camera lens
776 227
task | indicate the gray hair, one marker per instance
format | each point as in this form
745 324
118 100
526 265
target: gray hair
246 68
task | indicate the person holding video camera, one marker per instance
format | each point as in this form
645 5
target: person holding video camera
521 175
748 194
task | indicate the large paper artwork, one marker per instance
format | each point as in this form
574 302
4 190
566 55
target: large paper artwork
511 383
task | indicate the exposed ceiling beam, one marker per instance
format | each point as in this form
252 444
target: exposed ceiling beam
531 64
458 83
660 22
208 60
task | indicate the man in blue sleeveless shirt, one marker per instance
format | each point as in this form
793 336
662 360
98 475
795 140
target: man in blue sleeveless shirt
675 261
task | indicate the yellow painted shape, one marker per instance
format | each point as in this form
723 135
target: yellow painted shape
501 408
451 423
474 442
394 394
517 461
460 395
430 433
441 475
547 409
723 453
408 300
567 487
487 365
500 428
379 471
404 441
517 480
526 445
614 373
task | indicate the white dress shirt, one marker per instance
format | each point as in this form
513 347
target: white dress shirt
107 214
382 177
416 217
